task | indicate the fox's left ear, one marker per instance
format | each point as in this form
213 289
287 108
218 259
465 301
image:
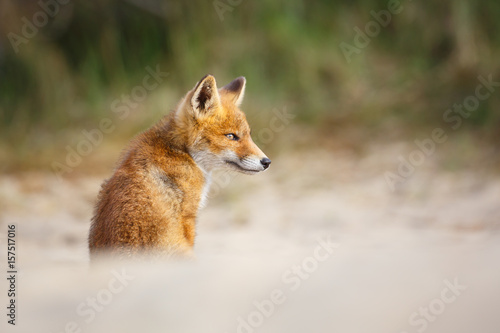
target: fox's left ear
235 90
205 96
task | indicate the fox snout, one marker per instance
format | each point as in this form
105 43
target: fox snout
253 160
248 164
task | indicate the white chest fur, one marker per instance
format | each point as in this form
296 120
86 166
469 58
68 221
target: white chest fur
206 189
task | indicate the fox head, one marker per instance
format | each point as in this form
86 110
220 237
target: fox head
216 130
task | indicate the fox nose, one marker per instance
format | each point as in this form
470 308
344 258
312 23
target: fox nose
265 162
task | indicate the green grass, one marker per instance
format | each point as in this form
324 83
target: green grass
427 58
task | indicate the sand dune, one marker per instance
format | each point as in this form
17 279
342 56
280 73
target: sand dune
323 246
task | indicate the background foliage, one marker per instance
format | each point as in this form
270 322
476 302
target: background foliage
65 78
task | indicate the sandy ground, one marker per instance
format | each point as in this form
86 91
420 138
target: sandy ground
319 243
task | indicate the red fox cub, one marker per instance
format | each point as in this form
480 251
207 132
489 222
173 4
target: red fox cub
151 201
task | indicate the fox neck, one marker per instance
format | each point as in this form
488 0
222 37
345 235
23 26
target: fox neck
207 173
180 135
204 192
184 130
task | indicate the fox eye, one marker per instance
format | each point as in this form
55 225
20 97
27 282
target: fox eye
232 136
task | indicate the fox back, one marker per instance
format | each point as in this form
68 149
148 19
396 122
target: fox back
151 202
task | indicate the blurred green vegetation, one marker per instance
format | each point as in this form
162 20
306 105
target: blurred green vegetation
429 57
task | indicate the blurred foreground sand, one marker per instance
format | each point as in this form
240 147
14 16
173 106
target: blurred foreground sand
397 252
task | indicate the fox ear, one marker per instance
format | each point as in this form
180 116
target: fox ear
205 95
235 90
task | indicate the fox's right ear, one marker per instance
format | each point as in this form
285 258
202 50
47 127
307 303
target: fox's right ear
235 90
205 96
